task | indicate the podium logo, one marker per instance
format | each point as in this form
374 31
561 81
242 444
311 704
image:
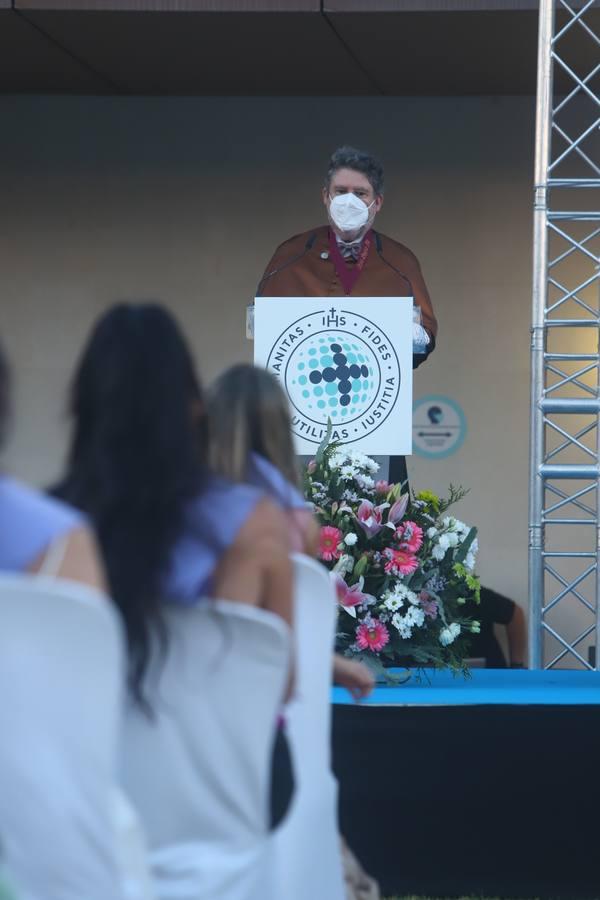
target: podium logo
336 365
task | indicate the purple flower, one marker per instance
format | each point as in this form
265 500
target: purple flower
429 606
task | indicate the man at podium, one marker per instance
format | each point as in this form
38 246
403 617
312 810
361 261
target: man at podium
349 257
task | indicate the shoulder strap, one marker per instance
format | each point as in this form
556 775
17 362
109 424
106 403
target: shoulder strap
54 557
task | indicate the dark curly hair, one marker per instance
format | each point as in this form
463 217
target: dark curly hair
350 158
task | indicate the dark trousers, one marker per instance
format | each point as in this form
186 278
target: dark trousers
282 778
398 471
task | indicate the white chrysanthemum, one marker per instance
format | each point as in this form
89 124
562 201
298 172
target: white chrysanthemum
438 552
402 625
393 603
452 538
448 635
398 595
431 532
350 539
337 460
444 542
469 562
347 472
372 466
357 458
406 593
364 481
415 617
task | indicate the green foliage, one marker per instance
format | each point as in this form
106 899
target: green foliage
402 556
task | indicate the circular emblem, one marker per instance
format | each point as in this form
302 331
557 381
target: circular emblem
439 426
336 366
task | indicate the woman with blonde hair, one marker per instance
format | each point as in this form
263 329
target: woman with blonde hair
250 440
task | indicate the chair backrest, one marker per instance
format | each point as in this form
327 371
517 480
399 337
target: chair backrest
61 674
305 859
198 768
309 715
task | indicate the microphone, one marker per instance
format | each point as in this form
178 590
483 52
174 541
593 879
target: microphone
308 246
379 249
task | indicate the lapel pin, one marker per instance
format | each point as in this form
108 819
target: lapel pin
324 255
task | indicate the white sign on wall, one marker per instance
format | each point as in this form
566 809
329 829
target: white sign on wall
439 426
344 359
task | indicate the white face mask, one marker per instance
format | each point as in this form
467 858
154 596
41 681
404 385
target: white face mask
348 212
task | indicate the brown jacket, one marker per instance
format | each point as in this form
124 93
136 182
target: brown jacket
295 271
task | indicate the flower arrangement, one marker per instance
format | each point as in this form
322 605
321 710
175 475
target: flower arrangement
404 569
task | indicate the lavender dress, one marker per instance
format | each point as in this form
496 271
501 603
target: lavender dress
212 523
300 515
29 523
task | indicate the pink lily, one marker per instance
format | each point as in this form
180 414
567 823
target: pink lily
398 509
371 517
350 597
382 487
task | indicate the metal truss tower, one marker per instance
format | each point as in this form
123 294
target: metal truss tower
564 537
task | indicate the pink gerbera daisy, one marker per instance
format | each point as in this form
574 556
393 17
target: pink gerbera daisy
400 562
372 636
409 536
329 539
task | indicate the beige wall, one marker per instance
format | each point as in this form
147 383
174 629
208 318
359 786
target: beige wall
185 199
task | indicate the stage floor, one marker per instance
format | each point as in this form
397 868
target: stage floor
487 786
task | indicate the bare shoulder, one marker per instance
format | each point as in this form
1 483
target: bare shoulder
80 561
266 524
313 531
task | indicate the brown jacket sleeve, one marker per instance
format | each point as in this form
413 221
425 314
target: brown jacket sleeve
406 261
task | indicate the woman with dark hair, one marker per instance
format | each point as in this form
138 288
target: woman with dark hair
168 530
37 533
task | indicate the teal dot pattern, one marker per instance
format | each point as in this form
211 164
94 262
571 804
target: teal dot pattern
332 376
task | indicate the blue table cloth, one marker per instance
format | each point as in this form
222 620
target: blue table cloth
485 687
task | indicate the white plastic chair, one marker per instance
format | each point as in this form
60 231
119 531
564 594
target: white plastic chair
305 852
198 769
62 821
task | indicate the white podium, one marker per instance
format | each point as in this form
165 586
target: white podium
347 360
